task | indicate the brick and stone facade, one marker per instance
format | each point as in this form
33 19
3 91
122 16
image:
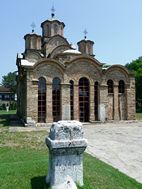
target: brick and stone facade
50 64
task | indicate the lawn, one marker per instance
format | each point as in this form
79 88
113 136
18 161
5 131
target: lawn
24 162
139 116
5 117
4 112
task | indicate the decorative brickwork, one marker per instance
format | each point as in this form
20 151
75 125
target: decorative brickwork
51 56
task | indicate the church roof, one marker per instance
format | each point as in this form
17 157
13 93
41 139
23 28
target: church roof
52 21
27 63
5 89
71 51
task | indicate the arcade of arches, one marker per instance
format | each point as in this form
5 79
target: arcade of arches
84 104
58 82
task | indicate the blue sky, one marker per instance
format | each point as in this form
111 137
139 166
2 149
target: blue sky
114 25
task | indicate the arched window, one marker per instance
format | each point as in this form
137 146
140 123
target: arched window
96 86
71 99
121 86
110 86
42 100
56 93
84 109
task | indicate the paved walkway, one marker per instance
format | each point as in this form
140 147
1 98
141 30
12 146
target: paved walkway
119 145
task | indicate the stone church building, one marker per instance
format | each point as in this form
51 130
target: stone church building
59 82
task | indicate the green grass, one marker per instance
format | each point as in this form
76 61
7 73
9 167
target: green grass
20 168
24 162
139 116
5 117
4 112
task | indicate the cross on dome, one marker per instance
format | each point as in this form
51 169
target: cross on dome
33 26
85 34
52 11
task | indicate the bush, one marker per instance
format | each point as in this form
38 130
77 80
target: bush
3 107
13 106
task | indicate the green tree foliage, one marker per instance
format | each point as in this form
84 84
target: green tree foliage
136 68
9 80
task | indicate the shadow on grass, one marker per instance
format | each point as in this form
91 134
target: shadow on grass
39 183
4 120
7 120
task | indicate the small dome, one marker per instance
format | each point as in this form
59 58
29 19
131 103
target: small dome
71 51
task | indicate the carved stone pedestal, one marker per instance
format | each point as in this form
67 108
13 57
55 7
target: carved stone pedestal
66 146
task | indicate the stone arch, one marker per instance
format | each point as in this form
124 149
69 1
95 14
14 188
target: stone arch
53 64
55 41
59 38
50 61
33 56
87 59
117 72
117 102
59 50
49 69
83 67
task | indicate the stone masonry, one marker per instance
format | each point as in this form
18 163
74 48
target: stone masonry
50 64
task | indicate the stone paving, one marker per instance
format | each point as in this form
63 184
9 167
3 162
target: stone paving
118 144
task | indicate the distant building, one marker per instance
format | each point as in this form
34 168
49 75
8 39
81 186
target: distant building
7 96
56 81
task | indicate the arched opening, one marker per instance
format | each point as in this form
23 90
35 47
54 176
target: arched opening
121 86
56 102
110 86
84 109
71 99
96 98
41 100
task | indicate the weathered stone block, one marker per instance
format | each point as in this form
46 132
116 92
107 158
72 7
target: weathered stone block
66 146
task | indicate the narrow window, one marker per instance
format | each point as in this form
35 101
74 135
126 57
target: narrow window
56 93
110 86
55 29
48 31
121 86
71 99
41 100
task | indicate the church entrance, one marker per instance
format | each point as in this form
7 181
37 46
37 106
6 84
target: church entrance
84 109
42 100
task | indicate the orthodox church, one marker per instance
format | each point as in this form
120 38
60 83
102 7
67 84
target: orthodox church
59 82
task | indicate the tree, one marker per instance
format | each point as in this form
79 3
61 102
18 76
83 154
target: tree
136 68
9 81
